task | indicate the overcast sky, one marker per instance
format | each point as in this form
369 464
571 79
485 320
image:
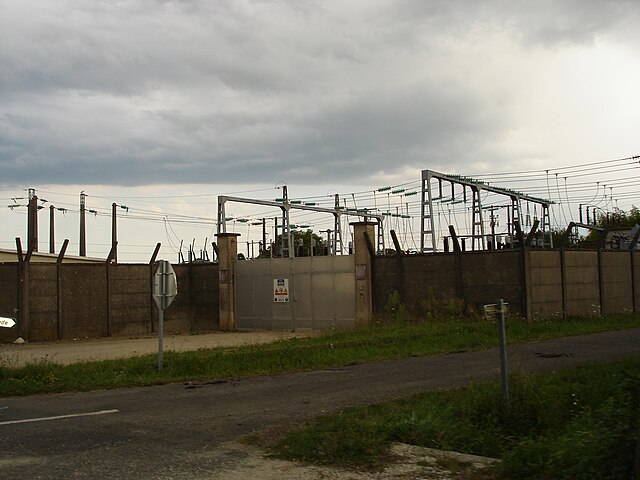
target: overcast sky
326 93
141 92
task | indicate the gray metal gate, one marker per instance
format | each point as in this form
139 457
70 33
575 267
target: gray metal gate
295 293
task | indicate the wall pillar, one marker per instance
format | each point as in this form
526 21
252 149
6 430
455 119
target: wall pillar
227 256
363 263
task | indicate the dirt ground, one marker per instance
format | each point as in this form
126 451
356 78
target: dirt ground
409 463
73 351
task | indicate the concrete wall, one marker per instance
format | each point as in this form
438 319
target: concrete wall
489 276
195 308
535 283
11 256
131 306
42 302
425 282
9 281
66 301
616 278
545 283
582 283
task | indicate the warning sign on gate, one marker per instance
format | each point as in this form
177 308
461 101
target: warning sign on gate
280 290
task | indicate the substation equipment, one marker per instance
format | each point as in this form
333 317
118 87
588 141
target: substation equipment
286 205
434 190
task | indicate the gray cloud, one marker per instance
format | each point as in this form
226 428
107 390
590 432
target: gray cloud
145 92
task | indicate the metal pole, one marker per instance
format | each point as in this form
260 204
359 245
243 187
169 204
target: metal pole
114 233
160 336
83 235
52 238
504 374
32 221
163 291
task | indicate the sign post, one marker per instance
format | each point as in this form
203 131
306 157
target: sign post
165 289
504 371
497 311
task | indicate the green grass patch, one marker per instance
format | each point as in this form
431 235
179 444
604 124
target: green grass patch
377 342
578 423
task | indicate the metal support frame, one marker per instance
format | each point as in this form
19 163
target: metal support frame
428 238
477 225
547 236
337 227
428 241
516 217
286 206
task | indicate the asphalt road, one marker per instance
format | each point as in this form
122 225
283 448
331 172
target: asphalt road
188 431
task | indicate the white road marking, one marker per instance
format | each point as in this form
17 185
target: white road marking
60 417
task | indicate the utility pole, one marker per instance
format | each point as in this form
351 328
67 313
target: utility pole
32 221
114 234
83 232
337 228
275 236
285 242
329 252
264 235
52 238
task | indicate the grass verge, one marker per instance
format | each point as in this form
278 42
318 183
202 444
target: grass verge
341 347
578 423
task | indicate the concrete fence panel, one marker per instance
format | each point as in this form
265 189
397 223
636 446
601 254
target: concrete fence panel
195 308
386 277
42 323
582 283
9 299
130 301
84 309
546 283
202 297
490 276
616 281
428 283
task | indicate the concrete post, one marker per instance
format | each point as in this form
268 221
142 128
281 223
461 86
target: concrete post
227 256
363 262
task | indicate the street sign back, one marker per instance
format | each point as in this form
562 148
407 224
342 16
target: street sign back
165 285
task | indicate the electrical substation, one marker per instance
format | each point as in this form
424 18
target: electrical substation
321 261
334 243
441 192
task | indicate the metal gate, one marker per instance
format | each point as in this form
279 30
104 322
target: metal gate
295 293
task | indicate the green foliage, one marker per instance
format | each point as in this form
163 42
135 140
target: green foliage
616 219
433 307
575 424
298 236
395 310
321 444
596 441
371 343
619 218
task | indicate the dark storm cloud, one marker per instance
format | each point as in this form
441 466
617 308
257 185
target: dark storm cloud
144 92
